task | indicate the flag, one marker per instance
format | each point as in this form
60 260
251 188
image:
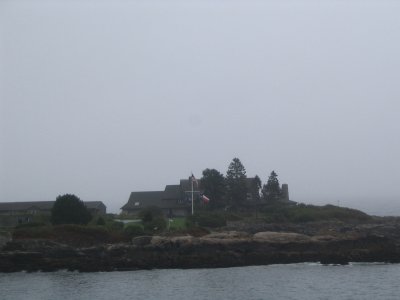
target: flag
205 199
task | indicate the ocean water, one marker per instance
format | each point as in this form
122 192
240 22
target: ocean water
294 281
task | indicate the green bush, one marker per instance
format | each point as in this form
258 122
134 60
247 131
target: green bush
69 209
30 224
149 213
71 234
155 225
153 219
204 219
38 232
232 217
100 221
275 218
177 224
132 230
309 213
114 225
197 231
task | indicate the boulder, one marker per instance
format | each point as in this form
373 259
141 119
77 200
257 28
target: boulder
177 241
34 245
141 240
280 237
324 238
228 235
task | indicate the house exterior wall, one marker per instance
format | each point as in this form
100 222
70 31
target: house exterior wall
168 212
24 212
16 219
101 210
13 217
175 212
175 199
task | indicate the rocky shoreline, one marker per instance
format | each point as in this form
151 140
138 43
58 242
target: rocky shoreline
377 243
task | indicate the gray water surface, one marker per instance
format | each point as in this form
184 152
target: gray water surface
295 281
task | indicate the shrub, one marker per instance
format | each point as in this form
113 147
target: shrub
100 222
132 230
76 235
156 225
149 213
308 213
39 232
232 217
114 225
69 209
177 224
206 220
30 224
197 231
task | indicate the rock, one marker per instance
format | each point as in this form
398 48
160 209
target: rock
280 237
159 240
227 235
324 238
223 249
185 239
141 240
117 247
176 241
37 245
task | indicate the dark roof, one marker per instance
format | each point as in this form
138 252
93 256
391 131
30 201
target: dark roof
169 198
94 204
144 198
162 199
172 191
41 205
15 206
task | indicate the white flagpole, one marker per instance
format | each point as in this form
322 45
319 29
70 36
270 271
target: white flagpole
192 193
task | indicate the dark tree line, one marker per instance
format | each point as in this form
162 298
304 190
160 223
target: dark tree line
232 189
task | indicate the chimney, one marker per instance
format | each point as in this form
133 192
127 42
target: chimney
285 192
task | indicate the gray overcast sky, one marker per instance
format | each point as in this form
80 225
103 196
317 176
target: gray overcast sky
101 98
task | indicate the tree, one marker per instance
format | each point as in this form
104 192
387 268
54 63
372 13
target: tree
69 209
153 219
213 184
150 213
100 222
271 191
236 182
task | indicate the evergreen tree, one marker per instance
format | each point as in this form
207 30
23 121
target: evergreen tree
236 182
271 191
69 209
213 184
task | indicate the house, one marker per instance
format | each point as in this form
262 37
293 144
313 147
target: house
12 213
175 200
96 207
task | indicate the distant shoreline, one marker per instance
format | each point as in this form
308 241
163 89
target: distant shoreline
215 250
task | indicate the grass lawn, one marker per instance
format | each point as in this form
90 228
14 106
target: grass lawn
177 223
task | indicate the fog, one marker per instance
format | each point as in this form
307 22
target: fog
101 98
